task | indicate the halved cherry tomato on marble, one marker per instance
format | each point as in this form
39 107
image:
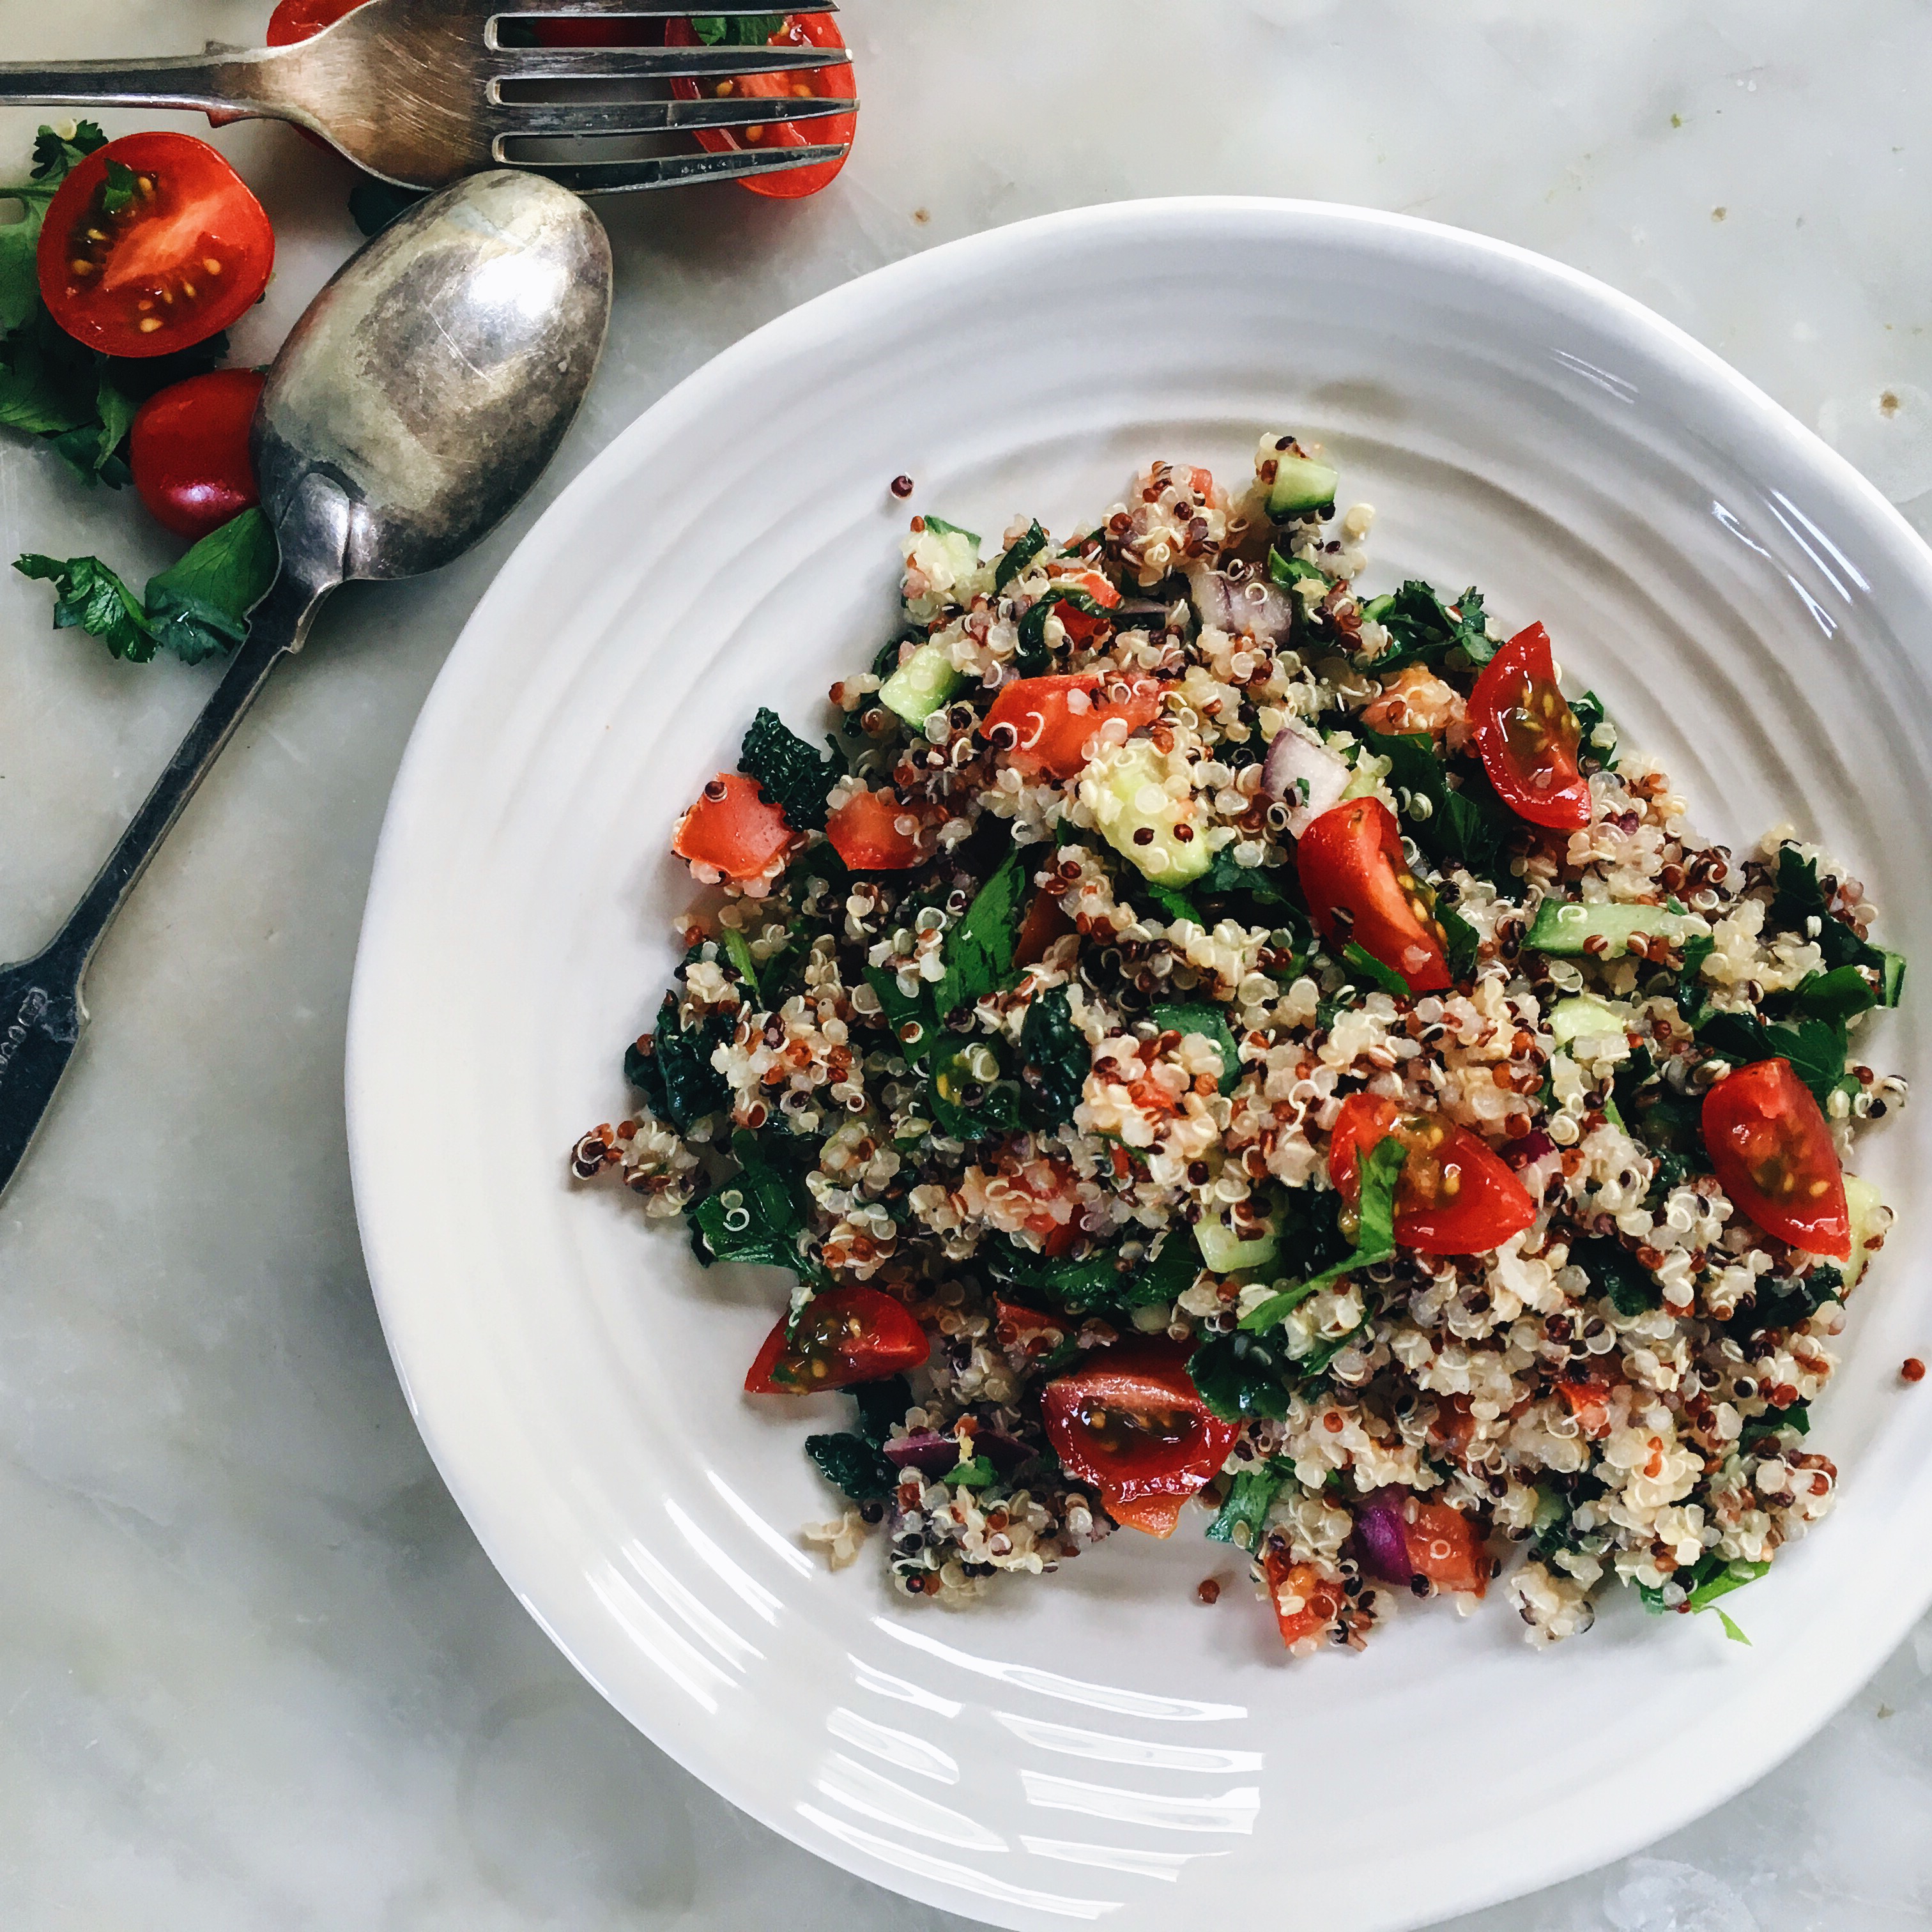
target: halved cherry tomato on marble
189 450
1045 922
168 251
1455 1197
1443 1546
1528 735
1131 1422
1358 887
732 828
1306 1601
865 832
1772 1151
823 83
1051 719
846 1335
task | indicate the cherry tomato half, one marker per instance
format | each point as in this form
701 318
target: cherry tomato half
189 450
1358 887
1443 1546
294 20
1306 1601
1131 1422
846 1335
731 826
824 83
864 833
187 252
1772 1151
1455 1197
1528 735
1052 719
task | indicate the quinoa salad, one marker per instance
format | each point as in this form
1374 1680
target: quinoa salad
1210 1049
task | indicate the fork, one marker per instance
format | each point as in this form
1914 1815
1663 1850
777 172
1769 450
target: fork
413 90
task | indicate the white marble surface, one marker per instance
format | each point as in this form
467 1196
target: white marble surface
255 1674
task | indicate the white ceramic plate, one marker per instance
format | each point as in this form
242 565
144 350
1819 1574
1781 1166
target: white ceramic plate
1096 1746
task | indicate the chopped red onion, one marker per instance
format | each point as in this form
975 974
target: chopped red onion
1306 777
1382 1535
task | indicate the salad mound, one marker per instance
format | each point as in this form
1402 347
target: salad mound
1204 1035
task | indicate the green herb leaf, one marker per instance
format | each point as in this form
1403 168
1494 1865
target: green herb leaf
1731 1630
1424 631
739 950
754 1216
1031 658
1024 548
1361 961
1816 1048
1379 1172
882 1406
1467 825
1462 947
675 1075
200 605
56 157
850 1463
902 1012
1250 1496
792 775
975 1473
1631 1287
979 949
1800 898
1836 997
966 1107
89 595
938 525
1242 1377
1211 1023
1599 736
117 189
1057 1059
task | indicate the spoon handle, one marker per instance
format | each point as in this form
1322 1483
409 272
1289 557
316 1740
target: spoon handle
41 1009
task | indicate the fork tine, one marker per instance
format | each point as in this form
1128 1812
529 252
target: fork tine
654 63
670 170
521 117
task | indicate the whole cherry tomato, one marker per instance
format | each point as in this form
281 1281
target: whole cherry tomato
189 450
165 251
846 1335
1456 1195
1131 1422
1528 735
824 83
864 833
1045 724
731 827
1772 1152
1358 887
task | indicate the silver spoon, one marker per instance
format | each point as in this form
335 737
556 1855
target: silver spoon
414 404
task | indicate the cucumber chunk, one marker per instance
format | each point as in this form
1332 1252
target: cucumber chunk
1130 798
1564 925
921 685
1223 1253
1301 484
1863 1207
1584 1016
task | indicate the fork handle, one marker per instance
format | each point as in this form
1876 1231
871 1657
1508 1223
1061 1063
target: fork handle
242 81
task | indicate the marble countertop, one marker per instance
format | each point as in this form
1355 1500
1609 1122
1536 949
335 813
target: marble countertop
256 1675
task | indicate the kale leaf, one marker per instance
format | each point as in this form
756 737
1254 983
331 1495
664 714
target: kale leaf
674 1072
882 1405
1617 1273
1241 1376
1025 547
1467 825
1424 630
1057 1058
791 774
1211 1023
1800 898
754 1216
850 1463
1031 658
979 949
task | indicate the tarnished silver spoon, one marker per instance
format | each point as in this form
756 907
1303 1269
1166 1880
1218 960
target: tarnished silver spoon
414 404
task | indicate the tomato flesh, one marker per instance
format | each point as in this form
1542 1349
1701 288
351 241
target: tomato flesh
187 254
1358 887
1027 1330
846 1335
1456 1195
864 833
1443 1546
1307 1602
1045 922
189 450
1768 1140
1527 736
824 83
1131 1423
1053 719
732 828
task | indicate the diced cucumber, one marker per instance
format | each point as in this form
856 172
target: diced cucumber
921 685
1370 770
1864 1204
1134 799
1301 484
1564 925
1585 1015
1221 1252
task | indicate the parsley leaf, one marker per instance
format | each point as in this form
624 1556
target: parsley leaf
1836 997
754 1216
850 1463
1462 947
979 949
1598 735
200 604
1800 898
1102 1280
791 774
1026 546
1359 959
1379 1171
738 30
1617 1273
88 594
1211 1023
903 1013
1467 825
117 190
1424 631
1241 1376
1057 1059
1816 1048
1250 1496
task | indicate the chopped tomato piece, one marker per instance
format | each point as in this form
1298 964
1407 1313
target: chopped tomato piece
156 259
1442 1546
732 828
1131 1422
1027 1330
1358 887
824 83
1456 1195
1052 720
1080 577
1306 1601
846 1335
1588 1397
1045 922
1528 735
1454 1425
1772 1151
865 832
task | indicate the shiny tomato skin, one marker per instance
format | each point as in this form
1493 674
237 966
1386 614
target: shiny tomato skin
1045 922
1485 1205
1772 1152
846 1335
1443 1546
294 20
864 833
1527 736
199 210
1319 1598
1350 860
1172 1444
1051 735
189 450
731 826
825 83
